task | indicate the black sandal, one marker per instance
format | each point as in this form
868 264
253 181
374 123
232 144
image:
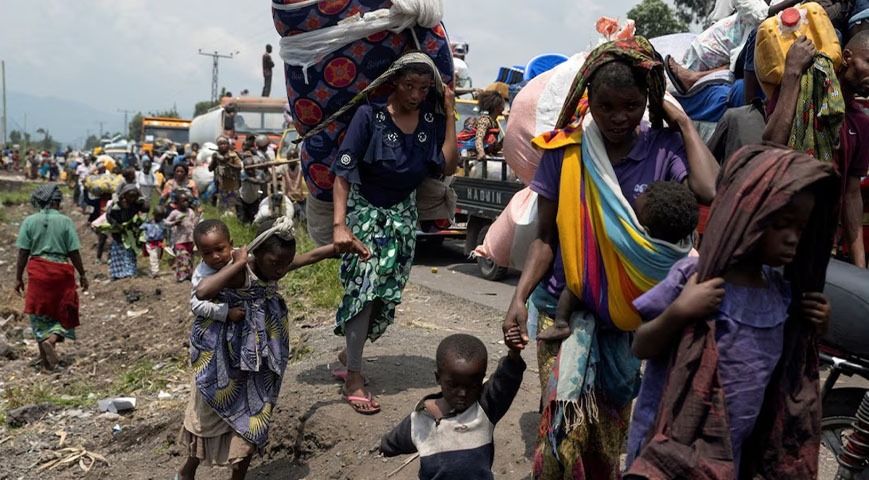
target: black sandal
674 80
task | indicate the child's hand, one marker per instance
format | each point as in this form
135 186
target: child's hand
240 255
513 339
236 314
699 300
816 308
360 249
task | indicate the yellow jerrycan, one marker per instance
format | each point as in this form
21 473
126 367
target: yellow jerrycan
776 35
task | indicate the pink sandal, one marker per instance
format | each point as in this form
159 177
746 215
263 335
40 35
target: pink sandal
366 399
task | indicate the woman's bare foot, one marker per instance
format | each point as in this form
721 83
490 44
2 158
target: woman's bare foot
687 78
356 395
342 357
556 331
43 363
51 359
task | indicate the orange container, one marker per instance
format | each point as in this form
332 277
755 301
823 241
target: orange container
776 35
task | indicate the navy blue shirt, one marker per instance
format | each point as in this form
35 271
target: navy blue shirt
386 163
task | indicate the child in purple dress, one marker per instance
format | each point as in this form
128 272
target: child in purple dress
750 302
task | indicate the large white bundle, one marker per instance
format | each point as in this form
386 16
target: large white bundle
535 111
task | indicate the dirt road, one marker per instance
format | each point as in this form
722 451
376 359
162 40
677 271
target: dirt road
133 342
138 349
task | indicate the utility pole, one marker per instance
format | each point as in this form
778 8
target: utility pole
3 64
125 112
101 128
215 56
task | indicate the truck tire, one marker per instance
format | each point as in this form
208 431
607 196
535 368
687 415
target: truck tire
488 269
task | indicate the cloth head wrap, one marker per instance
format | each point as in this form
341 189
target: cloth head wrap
130 187
639 54
45 195
283 228
403 61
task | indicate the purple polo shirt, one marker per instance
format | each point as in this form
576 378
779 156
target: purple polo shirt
658 155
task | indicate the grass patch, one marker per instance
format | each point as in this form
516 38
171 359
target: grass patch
80 392
316 285
143 376
73 396
319 282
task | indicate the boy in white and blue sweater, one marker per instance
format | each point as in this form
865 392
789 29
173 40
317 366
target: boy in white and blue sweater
453 430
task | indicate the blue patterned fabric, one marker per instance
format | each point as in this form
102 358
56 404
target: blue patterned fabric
342 75
122 261
238 367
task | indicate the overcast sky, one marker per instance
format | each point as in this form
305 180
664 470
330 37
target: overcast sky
142 54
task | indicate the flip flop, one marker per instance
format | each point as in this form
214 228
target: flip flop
366 399
674 80
340 373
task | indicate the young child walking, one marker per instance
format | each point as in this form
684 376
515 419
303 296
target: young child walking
452 430
732 371
238 353
182 220
668 211
155 232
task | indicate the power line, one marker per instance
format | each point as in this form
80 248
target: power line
215 57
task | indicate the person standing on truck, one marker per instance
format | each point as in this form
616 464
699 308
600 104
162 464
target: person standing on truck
487 128
623 77
268 65
388 151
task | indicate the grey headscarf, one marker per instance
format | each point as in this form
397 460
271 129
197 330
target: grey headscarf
130 187
404 60
45 195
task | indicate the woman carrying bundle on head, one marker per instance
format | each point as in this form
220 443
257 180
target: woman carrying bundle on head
601 158
388 151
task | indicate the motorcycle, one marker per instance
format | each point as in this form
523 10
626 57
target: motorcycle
844 351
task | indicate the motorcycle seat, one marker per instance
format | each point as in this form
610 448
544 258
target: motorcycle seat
847 287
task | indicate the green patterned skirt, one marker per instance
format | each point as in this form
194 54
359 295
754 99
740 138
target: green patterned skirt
390 234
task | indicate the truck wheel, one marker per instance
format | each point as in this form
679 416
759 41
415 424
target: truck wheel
488 269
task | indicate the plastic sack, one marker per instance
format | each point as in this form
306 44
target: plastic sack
100 185
202 177
511 234
265 210
309 48
436 200
324 87
535 111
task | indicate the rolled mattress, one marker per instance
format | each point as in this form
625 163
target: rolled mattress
320 90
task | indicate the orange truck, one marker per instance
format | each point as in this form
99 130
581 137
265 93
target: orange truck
253 116
154 128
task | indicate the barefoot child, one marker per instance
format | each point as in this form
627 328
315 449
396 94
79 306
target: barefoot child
182 220
452 430
238 364
732 371
668 211
155 232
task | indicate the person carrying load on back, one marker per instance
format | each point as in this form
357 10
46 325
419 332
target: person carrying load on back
389 150
790 106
